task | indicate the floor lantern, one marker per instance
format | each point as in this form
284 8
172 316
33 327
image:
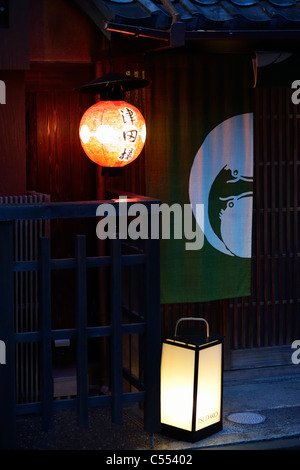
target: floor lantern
112 132
191 384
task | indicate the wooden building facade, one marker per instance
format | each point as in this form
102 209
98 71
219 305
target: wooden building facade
63 44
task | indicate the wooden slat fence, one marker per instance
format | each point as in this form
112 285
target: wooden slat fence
146 325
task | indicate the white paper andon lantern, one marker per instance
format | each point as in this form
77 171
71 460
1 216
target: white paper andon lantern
191 384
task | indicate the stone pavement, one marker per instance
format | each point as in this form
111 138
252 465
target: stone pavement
259 412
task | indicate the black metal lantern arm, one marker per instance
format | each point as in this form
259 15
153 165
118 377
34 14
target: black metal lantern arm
112 86
194 319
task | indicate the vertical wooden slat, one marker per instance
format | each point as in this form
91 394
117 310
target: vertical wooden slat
287 279
46 347
26 306
116 323
280 187
18 311
271 328
264 339
7 369
81 315
244 325
225 330
260 171
152 339
256 220
236 326
295 285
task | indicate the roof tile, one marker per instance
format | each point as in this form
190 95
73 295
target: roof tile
206 14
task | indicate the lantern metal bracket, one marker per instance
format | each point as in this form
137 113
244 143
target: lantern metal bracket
112 86
194 319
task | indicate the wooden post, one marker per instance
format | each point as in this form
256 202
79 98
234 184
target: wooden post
153 336
82 355
46 345
116 339
7 363
225 329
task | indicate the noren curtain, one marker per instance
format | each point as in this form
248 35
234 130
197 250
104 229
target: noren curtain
199 152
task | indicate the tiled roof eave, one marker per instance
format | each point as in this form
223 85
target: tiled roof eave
138 31
163 34
198 19
208 14
250 33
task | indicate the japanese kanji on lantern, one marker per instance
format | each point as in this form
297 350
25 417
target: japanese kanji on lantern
113 132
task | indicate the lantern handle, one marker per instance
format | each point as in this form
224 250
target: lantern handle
194 319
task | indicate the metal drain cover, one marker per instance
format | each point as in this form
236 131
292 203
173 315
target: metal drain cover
246 418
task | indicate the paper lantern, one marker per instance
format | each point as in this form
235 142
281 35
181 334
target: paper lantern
191 385
112 133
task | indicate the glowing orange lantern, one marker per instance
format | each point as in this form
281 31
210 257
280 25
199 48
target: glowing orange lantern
112 133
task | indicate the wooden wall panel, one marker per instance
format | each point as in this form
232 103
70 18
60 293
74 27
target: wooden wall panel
270 317
14 40
56 163
12 135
